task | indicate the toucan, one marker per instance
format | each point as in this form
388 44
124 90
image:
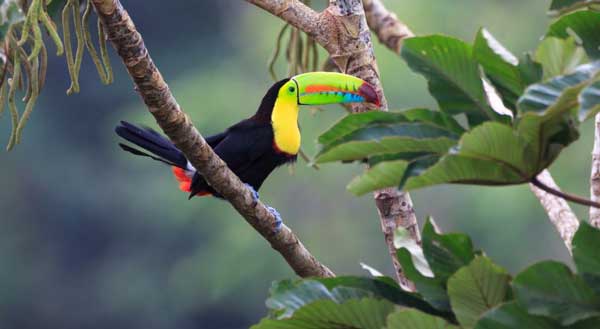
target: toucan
254 147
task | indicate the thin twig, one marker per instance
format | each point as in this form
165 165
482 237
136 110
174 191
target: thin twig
567 196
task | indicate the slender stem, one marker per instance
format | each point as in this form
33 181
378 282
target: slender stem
567 196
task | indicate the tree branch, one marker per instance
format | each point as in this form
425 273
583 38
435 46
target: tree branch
595 175
559 212
343 31
121 32
391 32
386 25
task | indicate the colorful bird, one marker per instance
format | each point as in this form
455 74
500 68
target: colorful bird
254 147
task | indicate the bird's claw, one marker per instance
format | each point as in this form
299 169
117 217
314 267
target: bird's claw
278 220
255 195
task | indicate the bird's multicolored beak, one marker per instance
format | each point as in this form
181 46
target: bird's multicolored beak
320 88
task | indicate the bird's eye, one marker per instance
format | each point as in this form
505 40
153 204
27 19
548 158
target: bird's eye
292 89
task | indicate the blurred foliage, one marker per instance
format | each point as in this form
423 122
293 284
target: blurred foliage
516 125
21 25
94 238
466 290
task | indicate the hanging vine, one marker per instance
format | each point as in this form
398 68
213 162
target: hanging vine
24 56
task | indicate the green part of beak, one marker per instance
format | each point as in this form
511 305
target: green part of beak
320 88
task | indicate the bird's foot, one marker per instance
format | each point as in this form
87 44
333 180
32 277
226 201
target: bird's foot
255 195
278 220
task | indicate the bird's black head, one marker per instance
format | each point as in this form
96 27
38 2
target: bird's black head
268 102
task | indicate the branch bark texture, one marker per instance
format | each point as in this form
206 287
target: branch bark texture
562 217
386 25
343 31
149 83
595 176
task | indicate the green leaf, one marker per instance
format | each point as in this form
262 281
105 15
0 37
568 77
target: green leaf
565 4
391 170
403 239
366 313
453 75
531 71
583 26
287 296
432 290
513 316
413 319
490 154
559 56
543 97
550 289
500 66
446 253
353 122
476 288
589 101
359 136
586 245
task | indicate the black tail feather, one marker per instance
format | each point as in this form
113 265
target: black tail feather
151 141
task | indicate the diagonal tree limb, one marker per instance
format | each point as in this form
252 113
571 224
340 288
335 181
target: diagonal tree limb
595 175
343 31
121 32
392 32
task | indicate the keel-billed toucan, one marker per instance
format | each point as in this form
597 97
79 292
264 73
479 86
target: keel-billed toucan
254 147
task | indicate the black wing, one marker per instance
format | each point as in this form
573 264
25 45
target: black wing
240 146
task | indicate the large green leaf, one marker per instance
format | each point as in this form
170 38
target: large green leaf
559 56
589 100
500 66
543 97
413 319
476 288
359 136
366 313
513 316
490 154
446 253
550 289
392 170
287 296
432 289
583 25
586 247
453 75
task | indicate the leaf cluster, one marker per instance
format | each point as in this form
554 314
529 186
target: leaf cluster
501 119
460 288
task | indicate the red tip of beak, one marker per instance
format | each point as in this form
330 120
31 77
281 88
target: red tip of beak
368 92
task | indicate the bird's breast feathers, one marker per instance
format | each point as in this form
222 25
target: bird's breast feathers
286 133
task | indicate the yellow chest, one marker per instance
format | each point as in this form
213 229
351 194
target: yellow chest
285 126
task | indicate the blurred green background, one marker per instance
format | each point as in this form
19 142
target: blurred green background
93 237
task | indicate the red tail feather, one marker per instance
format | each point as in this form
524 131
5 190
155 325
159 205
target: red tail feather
185 182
